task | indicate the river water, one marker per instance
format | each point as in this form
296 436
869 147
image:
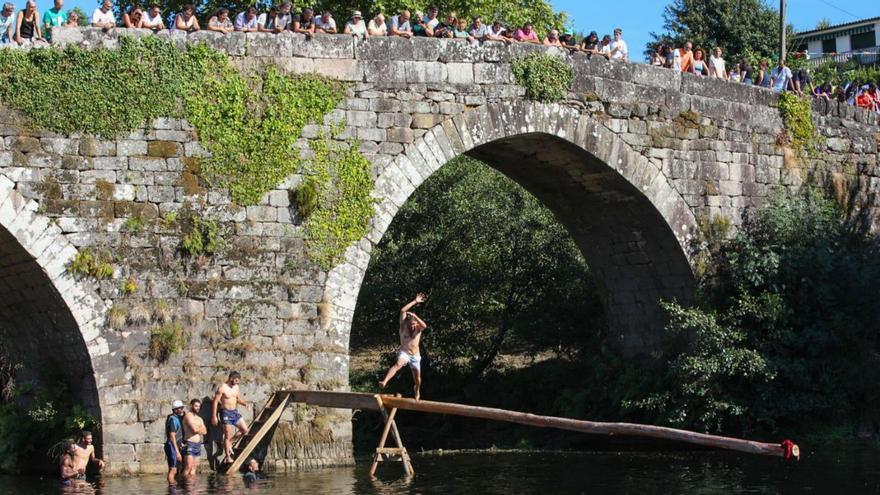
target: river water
842 469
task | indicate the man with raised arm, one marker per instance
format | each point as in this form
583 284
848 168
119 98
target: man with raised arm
410 328
228 397
193 429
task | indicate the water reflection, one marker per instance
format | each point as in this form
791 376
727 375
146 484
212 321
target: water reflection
829 469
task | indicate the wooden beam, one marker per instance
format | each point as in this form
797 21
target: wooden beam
261 432
339 400
748 446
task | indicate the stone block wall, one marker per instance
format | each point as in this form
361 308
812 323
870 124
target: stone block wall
628 162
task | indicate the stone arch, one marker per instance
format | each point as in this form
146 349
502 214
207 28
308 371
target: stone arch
47 318
631 224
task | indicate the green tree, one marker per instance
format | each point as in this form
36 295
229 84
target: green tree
740 27
500 271
787 335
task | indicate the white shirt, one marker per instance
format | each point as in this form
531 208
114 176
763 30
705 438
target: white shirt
717 67
622 50
605 49
151 22
676 59
100 17
377 30
320 24
359 28
431 23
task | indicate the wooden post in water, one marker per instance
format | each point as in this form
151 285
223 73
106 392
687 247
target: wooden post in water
390 426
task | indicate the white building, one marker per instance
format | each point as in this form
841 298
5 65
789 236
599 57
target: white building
842 41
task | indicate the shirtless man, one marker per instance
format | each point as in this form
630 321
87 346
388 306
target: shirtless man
410 329
69 472
193 429
85 453
228 397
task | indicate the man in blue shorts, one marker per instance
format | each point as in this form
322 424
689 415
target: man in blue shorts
224 408
173 439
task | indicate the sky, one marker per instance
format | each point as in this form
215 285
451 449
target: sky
638 18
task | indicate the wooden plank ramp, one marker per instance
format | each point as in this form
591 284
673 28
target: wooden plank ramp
261 425
389 404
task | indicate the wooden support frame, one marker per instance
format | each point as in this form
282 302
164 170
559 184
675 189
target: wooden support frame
381 450
264 428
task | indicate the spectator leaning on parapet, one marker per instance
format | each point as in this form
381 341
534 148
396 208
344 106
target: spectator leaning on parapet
479 30
103 16
220 22
356 26
780 77
247 21
590 44
619 50
400 25
527 34
431 18
305 23
72 19
552 38
284 19
377 26
54 17
266 20
325 23
186 20
497 32
446 29
461 30
717 65
7 23
134 18
153 18
27 25
605 47
420 28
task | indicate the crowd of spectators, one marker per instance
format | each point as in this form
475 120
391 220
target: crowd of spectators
26 26
780 78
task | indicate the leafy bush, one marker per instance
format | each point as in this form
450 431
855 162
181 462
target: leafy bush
797 113
546 78
787 335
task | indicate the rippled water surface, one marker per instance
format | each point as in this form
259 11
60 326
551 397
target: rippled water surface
846 470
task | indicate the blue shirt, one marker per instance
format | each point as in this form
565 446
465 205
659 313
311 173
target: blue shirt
780 77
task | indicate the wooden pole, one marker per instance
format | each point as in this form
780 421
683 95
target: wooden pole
783 50
660 432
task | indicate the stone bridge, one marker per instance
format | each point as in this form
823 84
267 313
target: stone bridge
628 163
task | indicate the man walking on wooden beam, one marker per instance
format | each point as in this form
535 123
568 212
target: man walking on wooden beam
228 397
410 329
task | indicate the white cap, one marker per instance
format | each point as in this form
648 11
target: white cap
176 405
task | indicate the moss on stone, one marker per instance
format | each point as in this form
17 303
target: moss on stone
104 190
164 149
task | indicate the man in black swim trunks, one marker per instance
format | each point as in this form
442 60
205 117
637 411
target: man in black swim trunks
193 429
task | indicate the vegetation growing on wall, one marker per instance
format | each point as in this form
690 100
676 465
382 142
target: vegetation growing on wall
797 113
545 77
166 340
87 264
337 193
202 236
250 123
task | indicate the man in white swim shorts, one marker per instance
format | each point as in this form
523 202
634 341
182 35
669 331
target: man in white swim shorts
410 329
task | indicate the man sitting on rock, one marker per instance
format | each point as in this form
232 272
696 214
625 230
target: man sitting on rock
85 453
